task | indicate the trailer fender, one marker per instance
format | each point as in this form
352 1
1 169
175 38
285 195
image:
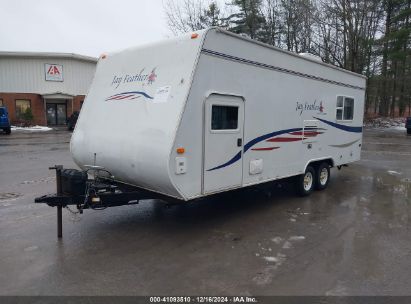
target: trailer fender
317 162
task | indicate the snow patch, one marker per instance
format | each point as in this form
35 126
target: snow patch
392 172
271 259
31 248
386 123
400 128
277 240
278 259
31 129
296 238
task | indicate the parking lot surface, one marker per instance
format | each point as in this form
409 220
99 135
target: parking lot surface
351 239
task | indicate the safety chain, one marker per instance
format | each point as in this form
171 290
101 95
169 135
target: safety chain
75 215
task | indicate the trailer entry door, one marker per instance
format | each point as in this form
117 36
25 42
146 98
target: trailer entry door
223 143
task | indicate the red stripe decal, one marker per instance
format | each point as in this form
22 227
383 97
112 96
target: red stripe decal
115 98
284 139
124 97
119 97
308 133
265 149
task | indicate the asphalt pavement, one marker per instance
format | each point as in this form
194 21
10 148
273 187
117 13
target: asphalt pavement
351 239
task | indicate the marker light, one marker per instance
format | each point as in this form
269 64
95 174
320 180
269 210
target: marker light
194 35
180 150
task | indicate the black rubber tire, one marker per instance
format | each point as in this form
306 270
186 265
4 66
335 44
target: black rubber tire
7 130
301 190
318 184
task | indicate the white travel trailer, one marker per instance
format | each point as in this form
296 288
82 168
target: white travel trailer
213 111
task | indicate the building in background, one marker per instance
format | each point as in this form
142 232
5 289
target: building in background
52 85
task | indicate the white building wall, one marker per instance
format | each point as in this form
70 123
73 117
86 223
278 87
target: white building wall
27 75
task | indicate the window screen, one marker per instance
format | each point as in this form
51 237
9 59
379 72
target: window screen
224 117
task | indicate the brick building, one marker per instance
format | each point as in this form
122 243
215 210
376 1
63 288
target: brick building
52 85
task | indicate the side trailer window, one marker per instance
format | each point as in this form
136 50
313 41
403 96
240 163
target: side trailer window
224 117
345 108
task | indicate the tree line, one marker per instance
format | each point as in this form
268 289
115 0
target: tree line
370 37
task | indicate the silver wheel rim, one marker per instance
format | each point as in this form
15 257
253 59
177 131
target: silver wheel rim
308 181
323 176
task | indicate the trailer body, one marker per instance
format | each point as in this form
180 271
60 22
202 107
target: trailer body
213 111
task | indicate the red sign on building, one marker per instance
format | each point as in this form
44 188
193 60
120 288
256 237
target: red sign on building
54 72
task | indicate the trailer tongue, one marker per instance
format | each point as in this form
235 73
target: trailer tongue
100 192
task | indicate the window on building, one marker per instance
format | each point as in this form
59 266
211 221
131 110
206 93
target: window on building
345 108
1 102
224 117
21 106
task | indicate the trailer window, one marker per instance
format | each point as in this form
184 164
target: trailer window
345 108
224 117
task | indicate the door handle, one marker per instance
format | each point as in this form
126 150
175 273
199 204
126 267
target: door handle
239 142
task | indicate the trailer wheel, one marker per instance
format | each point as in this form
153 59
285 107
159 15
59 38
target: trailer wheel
322 176
306 181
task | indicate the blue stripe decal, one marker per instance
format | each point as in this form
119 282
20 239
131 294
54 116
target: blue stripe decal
231 161
251 143
341 127
254 141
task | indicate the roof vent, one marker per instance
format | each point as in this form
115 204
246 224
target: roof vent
311 56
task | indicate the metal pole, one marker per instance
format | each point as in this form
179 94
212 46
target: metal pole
59 208
59 222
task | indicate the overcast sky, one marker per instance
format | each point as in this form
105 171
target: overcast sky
87 27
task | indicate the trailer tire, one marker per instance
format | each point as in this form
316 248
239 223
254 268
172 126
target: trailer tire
322 176
306 181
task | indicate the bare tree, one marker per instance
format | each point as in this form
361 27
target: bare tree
371 37
271 11
192 15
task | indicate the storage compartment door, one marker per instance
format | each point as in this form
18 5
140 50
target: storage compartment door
223 143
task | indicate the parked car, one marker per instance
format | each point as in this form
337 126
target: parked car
408 125
72 120
4 120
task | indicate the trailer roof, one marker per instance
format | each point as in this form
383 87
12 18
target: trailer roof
220 30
